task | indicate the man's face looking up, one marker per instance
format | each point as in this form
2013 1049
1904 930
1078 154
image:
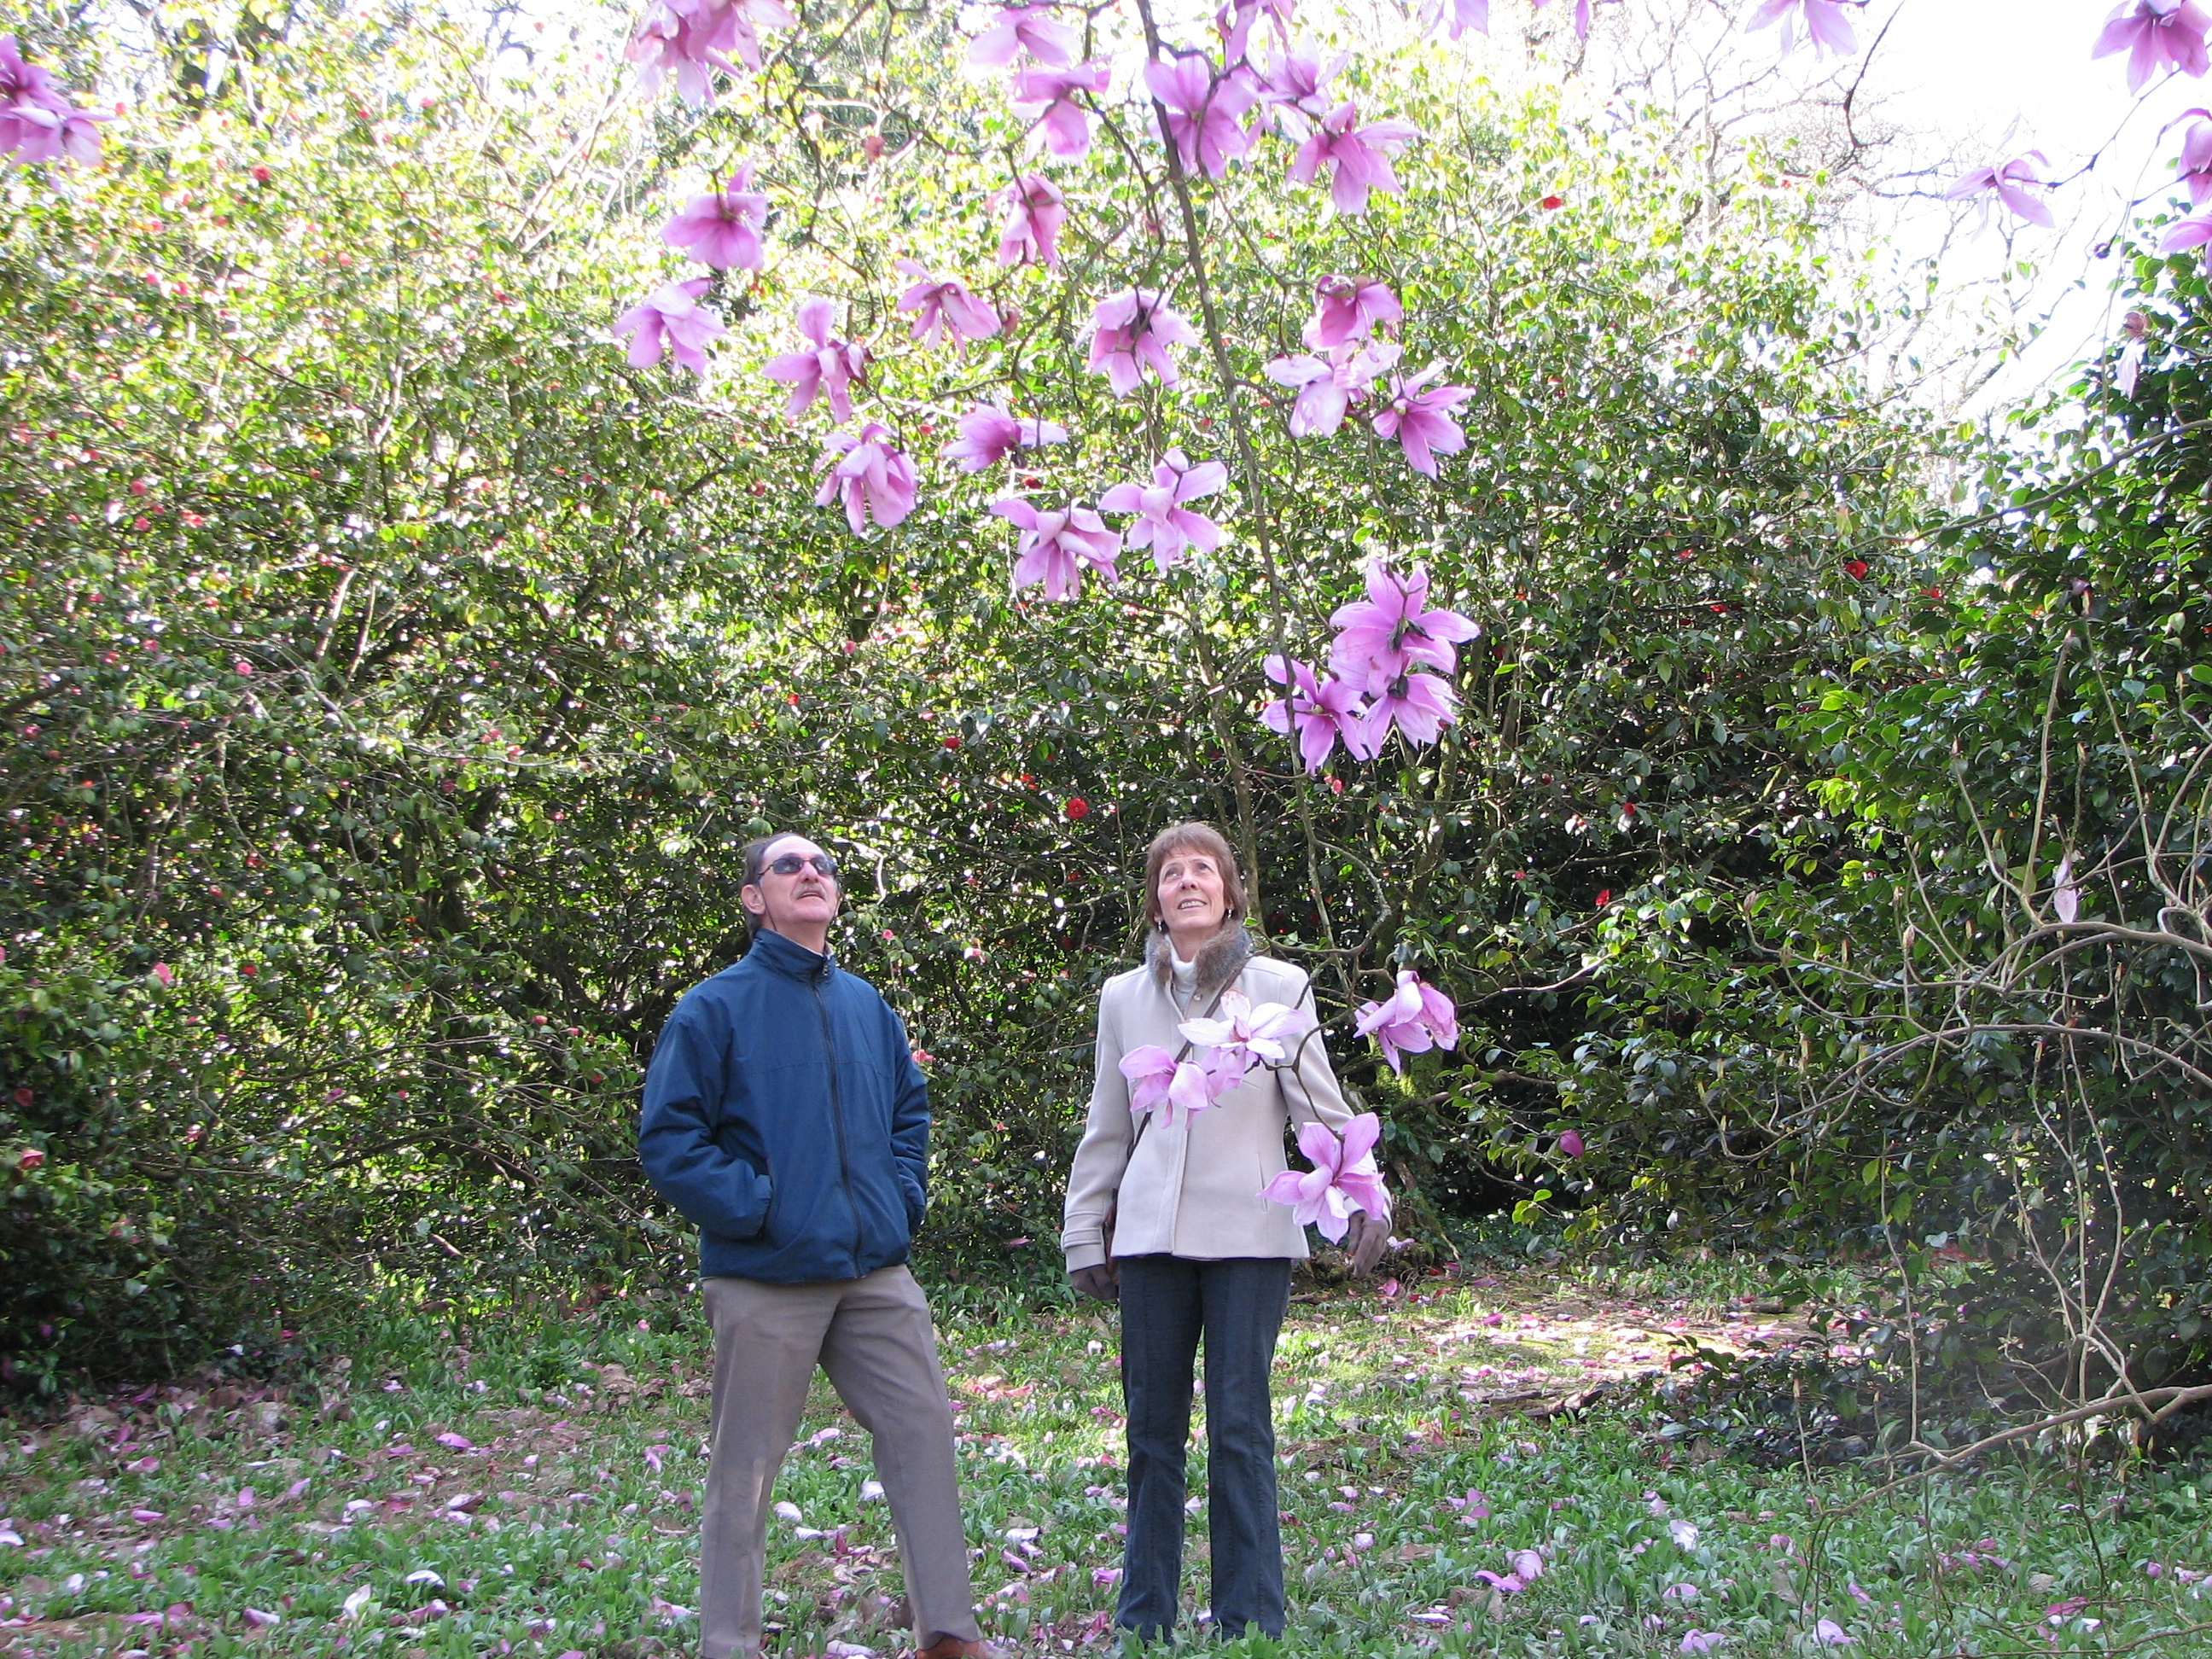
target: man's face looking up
799 905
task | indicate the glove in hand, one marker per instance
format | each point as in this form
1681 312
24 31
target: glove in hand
1364 1241
1100 1284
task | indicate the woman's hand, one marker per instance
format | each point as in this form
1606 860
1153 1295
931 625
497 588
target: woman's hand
1363 1242
1100 1283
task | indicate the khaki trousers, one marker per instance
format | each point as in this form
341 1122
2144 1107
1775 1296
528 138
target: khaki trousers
874 1338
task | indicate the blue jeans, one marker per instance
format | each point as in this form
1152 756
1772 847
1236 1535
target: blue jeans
1238 1305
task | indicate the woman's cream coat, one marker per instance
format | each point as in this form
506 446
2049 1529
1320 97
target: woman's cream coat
1193 1189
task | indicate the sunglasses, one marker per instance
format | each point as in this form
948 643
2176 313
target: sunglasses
792 863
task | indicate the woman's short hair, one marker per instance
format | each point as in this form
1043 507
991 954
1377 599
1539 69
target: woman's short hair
1201 837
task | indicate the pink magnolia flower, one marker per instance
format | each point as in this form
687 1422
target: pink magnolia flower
1204 112
1419 416
831 369
2065 896
988 434
2155 32
693 39
1419 705
1024 29
1296 81
2129 369
1177 1089
1571 1143
1465 14
1056 546
1319 711
2193 232
1246 1034
1343 1177
1582 19
1349 308
1035 211
1131 332
945 310
1233 22
1361 157
873 478
1392 631
1164 523
1046 96
1328 386
38 123
723 227
1414 1019
2006 179
1826 23
1473 1507
672 320
2196 152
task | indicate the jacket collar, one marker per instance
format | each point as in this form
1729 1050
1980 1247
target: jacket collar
1221 959
788 958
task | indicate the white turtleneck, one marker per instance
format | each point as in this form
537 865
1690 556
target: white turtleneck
1186 978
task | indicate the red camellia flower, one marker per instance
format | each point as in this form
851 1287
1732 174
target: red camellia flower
31 1159
262 175
1551 203
1604 897
1856 568
1078 808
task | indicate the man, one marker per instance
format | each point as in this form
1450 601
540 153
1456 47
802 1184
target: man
783 1114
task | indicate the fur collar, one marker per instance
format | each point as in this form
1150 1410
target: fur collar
1220 960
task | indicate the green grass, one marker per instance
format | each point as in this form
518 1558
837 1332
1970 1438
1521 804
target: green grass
567 1538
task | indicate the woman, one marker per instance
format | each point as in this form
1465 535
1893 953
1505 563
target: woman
1193 1249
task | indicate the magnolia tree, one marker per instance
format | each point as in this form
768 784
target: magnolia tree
1212 128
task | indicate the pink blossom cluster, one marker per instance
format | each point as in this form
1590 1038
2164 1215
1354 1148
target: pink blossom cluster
1343 1177
1240 1036
38 123
692 39
1412 1019
1058 545
1348 313
1164 524
1388 667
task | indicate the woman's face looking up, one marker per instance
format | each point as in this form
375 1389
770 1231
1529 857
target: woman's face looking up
1191 899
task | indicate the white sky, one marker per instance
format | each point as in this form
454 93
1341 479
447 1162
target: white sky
1988 81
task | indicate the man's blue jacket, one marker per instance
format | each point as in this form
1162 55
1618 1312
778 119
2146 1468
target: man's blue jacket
784 1114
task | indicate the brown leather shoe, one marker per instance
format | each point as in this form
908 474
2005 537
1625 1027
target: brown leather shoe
953 1647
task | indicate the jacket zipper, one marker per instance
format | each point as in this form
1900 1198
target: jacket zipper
837 1115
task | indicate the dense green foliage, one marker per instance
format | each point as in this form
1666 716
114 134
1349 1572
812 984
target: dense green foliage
393 673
